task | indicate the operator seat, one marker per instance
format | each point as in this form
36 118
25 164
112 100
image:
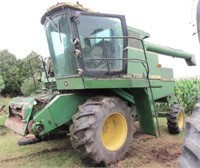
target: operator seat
98 55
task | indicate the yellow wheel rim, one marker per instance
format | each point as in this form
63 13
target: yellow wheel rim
114 131
180 120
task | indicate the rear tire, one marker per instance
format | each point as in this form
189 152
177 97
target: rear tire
175 119
102 130
190 157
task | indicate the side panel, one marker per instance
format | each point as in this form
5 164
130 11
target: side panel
143 104
70 83
138 67
57 112
125 82
167 84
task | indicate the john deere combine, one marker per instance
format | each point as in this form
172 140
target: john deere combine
106 75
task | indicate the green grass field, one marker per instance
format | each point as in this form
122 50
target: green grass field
4 101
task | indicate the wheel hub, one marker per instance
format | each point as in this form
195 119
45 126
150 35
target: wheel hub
114 131
180 120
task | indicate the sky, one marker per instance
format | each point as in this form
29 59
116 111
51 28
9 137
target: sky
169 23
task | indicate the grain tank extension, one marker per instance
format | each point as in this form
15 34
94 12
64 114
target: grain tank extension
106 74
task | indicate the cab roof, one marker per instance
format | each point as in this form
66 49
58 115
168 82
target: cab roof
61 6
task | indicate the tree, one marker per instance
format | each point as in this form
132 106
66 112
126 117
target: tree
2 85
28 72
10 72
25 70
28 86
14 71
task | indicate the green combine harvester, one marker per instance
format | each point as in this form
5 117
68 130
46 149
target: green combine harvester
107 76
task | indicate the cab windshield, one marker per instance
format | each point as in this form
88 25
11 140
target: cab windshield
61 47
102 51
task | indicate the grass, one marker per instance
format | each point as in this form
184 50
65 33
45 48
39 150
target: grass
2 119
54 153
4 101
163 127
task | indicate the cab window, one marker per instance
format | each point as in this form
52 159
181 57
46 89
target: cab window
101 50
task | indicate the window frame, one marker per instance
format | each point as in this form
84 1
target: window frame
90 72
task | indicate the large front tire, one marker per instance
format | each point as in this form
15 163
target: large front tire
190 157
102 129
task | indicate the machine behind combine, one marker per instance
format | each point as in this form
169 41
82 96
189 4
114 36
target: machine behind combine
190 156
106 74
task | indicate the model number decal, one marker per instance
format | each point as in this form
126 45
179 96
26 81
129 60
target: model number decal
133 76
141 76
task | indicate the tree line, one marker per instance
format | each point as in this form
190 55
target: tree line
15 73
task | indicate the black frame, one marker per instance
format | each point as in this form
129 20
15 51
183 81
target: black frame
125 44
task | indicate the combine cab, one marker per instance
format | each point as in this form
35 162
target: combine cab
106 76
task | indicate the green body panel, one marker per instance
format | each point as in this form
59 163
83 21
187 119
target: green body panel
138 64
127 96
58 112
137 56
161 79
91 83
167 88
143 102
132 32
70 83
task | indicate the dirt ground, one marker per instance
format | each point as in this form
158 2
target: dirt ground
153 152
145 152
